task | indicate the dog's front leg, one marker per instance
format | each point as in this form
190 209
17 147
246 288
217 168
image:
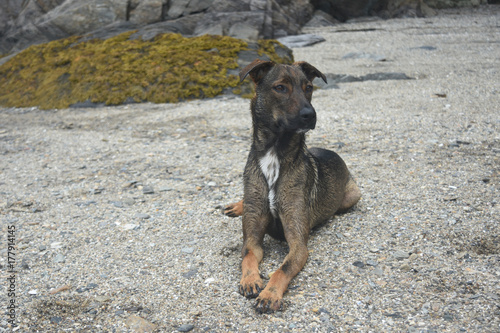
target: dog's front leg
254 227
271 298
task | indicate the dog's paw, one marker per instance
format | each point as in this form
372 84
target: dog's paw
251 290
234 209
268 302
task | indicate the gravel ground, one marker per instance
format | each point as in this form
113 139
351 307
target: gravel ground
117 209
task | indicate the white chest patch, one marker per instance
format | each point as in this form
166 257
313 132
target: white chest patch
270 166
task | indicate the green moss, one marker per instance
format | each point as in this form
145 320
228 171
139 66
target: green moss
268 46
168 68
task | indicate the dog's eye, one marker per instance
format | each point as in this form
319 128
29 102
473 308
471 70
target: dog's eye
309 88
280 88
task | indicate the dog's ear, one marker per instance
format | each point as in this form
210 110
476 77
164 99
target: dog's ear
309 70
257 70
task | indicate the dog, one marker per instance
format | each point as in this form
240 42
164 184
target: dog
288 188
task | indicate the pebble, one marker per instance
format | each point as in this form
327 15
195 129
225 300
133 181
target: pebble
378 271
185 328
148 190
190 273
56 245
131 226
401 255
142 216
140 325
359 264
187 250
59 258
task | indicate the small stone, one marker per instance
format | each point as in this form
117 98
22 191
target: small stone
118 204
55 320
59 258
448 316
209 280
33 292
92 286
142 216
405 267
401 255
42 248
128 201
188 250
56 245
413 257
372 263
378 271
148 190
138 324
190 273
131 226
185 328
359 264
211 184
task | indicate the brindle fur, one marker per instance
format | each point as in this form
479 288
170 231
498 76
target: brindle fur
312 184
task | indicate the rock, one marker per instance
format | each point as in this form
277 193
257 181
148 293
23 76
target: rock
405 267
24 23
378 271
243 31
185 328
139 325
59 258
359 264
334 79
131 226
454 3
76 17
363 55
190 273
56 245
401 255
142 216
148 190
146 12
301 40
321 19
183 25
187 250
345 9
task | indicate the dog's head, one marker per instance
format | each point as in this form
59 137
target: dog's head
283 94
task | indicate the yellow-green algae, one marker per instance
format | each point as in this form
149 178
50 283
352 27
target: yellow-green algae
165 69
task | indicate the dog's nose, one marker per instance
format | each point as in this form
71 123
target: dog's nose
308 117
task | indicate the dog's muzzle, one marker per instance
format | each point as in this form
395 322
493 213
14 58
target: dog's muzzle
307 117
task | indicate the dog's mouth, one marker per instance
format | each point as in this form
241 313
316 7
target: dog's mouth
302 130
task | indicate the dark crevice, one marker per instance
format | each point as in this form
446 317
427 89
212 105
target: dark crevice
164 10
129 9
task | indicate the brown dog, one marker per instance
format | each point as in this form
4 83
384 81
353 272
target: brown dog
288 189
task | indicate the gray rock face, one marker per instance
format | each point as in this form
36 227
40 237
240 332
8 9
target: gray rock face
39 21
24 23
